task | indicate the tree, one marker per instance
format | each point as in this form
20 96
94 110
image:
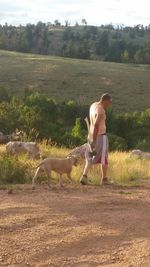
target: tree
68 34
139 56
115 51
76 24
84 51
69 50
125 57
84 22
132 34
67 23
9 117
102 44
57 23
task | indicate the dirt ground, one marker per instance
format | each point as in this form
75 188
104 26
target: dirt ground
75 227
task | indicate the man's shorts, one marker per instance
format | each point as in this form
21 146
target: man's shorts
101 148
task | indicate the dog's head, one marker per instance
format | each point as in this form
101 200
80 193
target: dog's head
74 160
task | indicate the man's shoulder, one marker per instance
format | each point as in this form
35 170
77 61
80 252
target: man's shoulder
97 107
94 105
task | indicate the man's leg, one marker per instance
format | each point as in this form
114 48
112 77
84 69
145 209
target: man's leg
104 159
104 169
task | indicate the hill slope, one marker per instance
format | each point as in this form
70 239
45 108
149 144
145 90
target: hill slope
108 43
80 80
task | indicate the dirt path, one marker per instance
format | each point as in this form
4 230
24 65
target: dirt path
75 227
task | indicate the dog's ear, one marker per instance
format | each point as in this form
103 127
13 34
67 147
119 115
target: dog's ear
76 161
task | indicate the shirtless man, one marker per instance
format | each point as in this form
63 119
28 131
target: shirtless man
97 150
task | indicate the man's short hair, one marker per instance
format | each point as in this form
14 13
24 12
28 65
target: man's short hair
106 96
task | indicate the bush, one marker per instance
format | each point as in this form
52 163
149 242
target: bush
4 95
12 171
63 123
78 133
144 145
70 141
117 143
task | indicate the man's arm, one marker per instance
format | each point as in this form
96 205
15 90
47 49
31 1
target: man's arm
96 126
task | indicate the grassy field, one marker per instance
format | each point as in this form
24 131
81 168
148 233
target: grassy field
80 80
123 169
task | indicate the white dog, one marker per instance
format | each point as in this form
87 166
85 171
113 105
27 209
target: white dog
61 166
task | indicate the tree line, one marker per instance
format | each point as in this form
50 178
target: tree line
41 118
108 43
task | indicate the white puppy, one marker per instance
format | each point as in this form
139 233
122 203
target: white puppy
61 166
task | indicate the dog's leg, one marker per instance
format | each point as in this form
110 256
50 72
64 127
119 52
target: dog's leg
60 180
69 177
48 172
35 177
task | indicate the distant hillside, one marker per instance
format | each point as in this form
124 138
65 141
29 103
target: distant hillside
122 44
80 80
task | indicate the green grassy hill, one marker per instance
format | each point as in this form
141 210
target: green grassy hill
80 80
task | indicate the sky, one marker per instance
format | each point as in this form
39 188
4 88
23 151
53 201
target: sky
96 12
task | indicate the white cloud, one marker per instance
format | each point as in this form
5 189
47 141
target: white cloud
128 12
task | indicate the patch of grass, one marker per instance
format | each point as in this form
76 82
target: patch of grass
122 169
80 80
12 170
125 170
53 151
